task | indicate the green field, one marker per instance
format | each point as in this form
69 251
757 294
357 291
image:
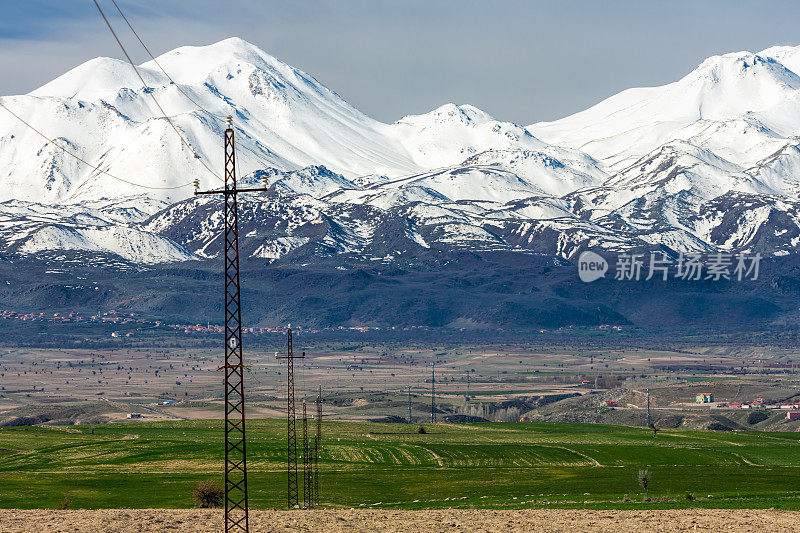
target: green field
492 465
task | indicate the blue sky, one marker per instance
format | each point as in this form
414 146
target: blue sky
521 61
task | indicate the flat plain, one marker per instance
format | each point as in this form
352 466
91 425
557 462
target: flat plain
535 465
364 381
392 466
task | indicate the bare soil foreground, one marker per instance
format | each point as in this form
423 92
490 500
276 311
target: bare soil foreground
341 521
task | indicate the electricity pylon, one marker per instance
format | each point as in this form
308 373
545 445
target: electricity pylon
236 509
433 392
307 486
409 406
291 430
317 442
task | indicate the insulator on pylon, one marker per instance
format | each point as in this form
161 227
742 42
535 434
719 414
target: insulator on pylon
265 181
196 186
229 119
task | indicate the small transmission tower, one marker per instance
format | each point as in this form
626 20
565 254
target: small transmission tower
307 482
317 443
409 406
291 418
433 392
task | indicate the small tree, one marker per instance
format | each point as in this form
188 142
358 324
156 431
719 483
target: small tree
644 480
208 494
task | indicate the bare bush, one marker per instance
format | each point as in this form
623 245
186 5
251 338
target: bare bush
208 494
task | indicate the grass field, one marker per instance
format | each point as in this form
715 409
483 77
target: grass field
489 465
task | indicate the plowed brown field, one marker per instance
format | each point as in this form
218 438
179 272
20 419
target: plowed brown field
341 521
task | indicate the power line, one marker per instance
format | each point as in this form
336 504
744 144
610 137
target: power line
150 92
79 158
159 65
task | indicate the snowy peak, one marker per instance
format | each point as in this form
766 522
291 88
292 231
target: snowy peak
555 171
188 65
447 113
193 64
101 77
452 133
756 92
734 84
314 181
788 56
223 78
234 65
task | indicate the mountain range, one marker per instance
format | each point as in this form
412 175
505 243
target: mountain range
705 164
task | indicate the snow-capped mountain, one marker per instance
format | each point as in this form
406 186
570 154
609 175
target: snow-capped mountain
707 163
737 105
285 119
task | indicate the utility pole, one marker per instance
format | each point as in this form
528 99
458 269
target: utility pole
307 497
467 385
410 421
649 418
317 442
433 392
236 509
291 419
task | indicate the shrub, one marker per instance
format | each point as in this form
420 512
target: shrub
689 496
208 494
421 430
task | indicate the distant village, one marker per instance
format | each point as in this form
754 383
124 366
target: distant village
120 318
793 410
702 398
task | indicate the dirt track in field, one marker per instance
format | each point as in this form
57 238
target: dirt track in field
341 521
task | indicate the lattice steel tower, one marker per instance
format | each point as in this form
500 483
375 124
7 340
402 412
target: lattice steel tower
433 392
236 515
236 511
410 421
291 429
307 482
317 442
